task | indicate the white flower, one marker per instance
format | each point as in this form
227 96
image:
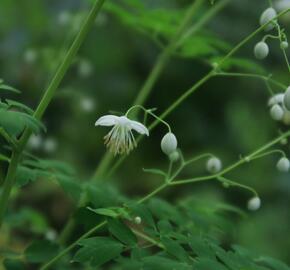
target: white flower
254 203
120 139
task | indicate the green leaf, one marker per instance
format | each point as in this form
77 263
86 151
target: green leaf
206 264
41 251
24 175
163 263
11 264
105 212
98 250
122 232
200 247
272 263
155 171
19 105
143 212
8 88
175 249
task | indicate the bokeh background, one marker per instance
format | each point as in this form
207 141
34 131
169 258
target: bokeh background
227 116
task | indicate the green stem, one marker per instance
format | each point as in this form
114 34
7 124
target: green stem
45 101
250 75
70 247
166 53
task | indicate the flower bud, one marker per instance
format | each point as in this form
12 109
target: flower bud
168 143
214 165
284 45
286 99
261 50
137 220
277 112
283 165
268 15
174 156
254 203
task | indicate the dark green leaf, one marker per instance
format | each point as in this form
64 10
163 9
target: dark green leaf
122 232
41 251
98 250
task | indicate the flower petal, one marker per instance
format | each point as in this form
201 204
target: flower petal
139 127
107 120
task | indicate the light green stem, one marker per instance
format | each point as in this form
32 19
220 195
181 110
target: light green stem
45 101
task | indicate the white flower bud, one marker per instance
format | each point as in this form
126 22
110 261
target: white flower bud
168 143
286 99
254 203
283 164
174 156
284 45
214 165
276 99
277 112
268 15
261 50
137 220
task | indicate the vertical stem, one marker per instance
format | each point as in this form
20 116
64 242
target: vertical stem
45 101
153 76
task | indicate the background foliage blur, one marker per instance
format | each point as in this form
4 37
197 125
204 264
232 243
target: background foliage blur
227 116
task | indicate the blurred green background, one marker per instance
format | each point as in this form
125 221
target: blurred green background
227 116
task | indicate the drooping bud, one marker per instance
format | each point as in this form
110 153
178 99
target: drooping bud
254 204
283 164
268 15
261 50
214 165
169 143
277 112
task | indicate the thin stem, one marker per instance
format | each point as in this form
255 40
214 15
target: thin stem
148 238
250 75
74 244
45 101
150 113
206 18
233 183
165 55
269 153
